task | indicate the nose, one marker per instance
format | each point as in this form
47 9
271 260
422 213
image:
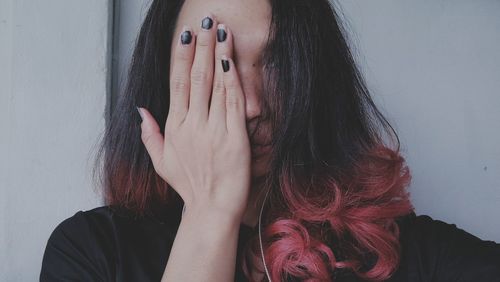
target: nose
252 89
251 86
252 107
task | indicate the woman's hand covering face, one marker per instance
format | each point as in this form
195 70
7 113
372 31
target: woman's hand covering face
205 154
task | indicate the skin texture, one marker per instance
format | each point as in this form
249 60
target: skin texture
206 153
248 22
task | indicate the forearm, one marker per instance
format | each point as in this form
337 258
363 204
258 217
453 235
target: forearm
204 248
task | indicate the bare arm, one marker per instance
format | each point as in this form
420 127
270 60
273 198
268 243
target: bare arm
204 248
205 156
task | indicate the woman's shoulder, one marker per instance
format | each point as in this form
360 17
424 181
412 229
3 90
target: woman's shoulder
433 249
91 244
84 225
106 222
428 230
83 219
80 246
108 216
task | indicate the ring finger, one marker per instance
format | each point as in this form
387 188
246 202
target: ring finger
224 46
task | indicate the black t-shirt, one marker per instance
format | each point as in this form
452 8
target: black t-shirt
105 244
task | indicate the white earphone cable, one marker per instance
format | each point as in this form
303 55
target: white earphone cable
260 238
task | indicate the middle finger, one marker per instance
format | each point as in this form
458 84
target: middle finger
202 70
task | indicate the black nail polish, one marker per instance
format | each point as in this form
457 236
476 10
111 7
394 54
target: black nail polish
225 65
207 23
221 35
186 37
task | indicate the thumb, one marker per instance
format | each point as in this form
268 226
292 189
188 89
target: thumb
151 136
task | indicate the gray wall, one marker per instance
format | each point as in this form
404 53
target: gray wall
53 81
433 67
129 15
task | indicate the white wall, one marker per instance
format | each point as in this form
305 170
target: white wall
53 81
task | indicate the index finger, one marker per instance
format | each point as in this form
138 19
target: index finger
182 60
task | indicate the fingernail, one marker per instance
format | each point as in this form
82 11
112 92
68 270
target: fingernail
225 65
186 37
221 33
207 23
140 113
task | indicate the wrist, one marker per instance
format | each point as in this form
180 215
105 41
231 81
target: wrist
210 217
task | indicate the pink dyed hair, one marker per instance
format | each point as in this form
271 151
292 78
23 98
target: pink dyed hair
356 211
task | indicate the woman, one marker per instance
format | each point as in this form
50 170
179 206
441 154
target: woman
261 156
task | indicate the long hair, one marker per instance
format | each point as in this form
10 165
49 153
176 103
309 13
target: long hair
337 182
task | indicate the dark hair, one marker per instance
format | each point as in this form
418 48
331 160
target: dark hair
334 184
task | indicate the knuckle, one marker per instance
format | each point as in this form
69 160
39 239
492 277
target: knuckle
179 84
232 101
146 138
183 55
231 83
203 40
199 76
169 126
218 102
219 86
222 50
